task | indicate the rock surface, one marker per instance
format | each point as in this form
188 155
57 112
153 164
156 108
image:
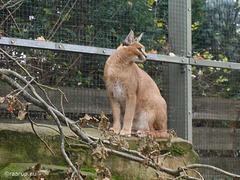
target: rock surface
19 144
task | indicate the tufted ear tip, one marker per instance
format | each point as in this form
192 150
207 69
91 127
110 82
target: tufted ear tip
139 37
129 39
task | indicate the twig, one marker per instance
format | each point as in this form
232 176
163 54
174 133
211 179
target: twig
195 166
55 89
41 125
69 137
63 19
106 23
4 5
58 19
79 57
44 142
14 4
24 87
10 14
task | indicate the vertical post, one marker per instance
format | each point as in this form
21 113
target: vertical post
180 84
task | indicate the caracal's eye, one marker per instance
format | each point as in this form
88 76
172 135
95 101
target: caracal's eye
140 49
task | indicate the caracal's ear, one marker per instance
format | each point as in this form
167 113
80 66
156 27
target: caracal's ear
129 39
139 38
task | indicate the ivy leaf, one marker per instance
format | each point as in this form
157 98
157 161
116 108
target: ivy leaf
159 24
141 65
48 11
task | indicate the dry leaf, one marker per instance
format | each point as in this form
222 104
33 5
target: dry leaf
41 38
21 114
152 51
83 121
37 167
12 102
198 57
104 123
2 99
166 47
130 3
99 153
103 172
23 111
148 144
44 172
124 142
171 134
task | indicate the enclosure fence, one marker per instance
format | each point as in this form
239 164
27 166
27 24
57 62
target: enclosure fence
193 58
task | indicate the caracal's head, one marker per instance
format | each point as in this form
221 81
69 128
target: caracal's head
135 51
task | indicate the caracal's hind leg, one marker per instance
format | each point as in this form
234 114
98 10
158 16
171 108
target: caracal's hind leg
116 110
160 124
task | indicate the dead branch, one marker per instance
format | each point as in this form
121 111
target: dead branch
49 109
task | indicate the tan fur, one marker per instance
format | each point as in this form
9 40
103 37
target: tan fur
132 92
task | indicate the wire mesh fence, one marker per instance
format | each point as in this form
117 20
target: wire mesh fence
215 29
92 23
216 118
215 34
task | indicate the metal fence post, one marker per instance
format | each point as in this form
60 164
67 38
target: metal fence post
180 84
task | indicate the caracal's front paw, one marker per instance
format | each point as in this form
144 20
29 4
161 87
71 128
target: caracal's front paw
114 130
125 133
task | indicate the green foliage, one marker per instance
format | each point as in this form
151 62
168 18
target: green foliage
100 23
92 170
215 37
175 151
215 28
215 82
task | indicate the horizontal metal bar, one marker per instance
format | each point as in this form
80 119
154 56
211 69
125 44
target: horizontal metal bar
80 49
55 46
212 63
167 58
106 51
